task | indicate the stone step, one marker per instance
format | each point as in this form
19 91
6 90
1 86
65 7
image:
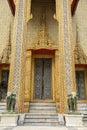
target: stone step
2 103
85 119
42 108
85 115
82 104
42 111
2 107
1 111
82 111
43 104
41 116
41 120
82 108
42 124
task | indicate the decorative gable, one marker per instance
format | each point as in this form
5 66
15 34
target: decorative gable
5 56
80 57
42 41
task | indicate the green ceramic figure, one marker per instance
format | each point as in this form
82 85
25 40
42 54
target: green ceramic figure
8 100
11 101
72 102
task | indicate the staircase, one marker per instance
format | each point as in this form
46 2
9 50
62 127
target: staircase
85 119
2 107
82 108
42 108
42 114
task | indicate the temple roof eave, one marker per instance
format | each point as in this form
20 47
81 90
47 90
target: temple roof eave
73 6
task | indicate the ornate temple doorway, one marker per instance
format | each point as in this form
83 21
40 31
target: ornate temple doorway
43 79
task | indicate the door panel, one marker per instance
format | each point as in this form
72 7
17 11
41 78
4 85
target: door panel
80 83
43 79
4 84
48 78
37 78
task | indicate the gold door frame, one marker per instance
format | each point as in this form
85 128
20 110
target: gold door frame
32 82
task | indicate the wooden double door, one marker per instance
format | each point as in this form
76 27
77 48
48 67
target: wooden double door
43 79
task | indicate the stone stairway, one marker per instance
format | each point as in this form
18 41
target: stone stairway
42 108
2 107
42 114
85 119
82 108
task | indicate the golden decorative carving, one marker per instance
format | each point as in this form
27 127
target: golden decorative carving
16 78
6 53
5 56
79 55
57 86
66 62
59 56
28 76
57 90
42 41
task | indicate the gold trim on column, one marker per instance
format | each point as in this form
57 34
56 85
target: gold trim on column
32 84
57 86
28 76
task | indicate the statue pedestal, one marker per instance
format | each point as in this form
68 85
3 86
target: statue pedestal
8 119
73 119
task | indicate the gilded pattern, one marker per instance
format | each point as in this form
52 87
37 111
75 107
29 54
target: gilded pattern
16 76
28 76
67 49
66 61
73 87
64 69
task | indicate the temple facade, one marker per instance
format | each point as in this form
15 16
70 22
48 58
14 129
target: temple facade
43 52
